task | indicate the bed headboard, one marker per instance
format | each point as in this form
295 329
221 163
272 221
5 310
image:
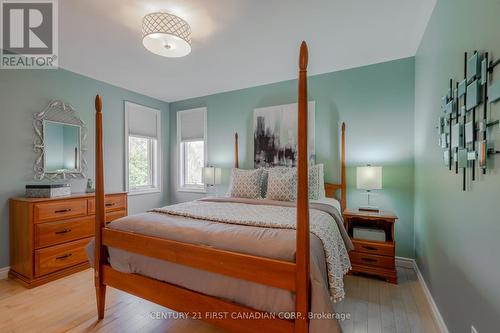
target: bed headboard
337 191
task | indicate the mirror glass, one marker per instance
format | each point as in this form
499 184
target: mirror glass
62 147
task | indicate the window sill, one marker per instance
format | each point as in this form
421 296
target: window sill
192 190
146 191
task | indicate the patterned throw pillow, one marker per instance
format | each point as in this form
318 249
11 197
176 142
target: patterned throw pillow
282 184
316 182
245 183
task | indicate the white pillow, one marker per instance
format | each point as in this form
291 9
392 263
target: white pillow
282 184
245 183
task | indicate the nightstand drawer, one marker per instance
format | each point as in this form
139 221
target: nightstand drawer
371 260
382 249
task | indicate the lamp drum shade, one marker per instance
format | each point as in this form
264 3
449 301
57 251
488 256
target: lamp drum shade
211 176
369 178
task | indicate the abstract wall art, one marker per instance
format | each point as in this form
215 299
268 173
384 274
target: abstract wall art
275 135
467 118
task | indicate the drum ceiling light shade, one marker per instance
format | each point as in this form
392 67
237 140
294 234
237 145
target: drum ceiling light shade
166 35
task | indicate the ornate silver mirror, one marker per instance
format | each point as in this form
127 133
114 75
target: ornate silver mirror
59 142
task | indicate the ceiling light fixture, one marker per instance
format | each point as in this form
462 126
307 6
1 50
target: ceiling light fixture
166 35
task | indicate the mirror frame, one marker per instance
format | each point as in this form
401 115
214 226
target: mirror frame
60 112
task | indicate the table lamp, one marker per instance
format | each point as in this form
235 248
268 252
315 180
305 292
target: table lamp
369 178
212 177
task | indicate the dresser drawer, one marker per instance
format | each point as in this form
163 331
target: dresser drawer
57 257
52 233
371 260
58 210
112 203
111 216
382 249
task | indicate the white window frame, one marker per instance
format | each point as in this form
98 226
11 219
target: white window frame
181 187
156 155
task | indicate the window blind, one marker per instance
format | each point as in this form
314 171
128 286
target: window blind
192 125
142 121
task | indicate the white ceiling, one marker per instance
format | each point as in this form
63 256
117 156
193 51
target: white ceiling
236 43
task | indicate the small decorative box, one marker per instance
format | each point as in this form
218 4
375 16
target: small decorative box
47 190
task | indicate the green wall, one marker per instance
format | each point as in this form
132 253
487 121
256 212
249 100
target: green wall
25 92
456 233
375 101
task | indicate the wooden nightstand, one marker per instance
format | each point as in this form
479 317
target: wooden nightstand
373 257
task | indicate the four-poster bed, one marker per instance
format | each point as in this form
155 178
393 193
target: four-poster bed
293 277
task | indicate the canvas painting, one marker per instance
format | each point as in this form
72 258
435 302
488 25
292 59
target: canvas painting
275 135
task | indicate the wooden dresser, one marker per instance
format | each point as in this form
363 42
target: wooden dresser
373 257
48 235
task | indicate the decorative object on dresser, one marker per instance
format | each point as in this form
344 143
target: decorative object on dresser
90 186
369 256
466 122
59 142
47 190
369 178
48 235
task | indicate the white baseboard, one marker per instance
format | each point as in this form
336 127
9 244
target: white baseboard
4 272
411 263
405 262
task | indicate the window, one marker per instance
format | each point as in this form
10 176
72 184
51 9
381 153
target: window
192 145
142 149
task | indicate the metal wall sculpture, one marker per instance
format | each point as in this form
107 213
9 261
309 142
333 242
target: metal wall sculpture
466 122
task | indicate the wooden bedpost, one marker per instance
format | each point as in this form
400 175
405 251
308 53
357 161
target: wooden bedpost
302 254
236 162
100 251
343 178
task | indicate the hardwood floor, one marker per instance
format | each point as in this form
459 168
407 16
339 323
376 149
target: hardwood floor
380 307
68 305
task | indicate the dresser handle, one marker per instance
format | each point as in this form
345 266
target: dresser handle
369 259
110 204
371 248
63 210
67 255
64 231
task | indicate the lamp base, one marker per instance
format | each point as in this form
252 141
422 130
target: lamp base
369 208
